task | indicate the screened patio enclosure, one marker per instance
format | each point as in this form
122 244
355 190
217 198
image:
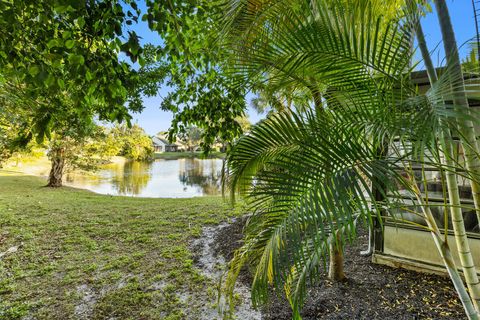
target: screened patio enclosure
411 246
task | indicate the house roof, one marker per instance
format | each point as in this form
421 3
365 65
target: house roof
420 78
160 141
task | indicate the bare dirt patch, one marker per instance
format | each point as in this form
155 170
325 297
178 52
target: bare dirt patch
211 261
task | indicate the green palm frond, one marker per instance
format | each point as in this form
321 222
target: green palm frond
304 177
319 39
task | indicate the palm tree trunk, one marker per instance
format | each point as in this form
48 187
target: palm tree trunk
422 44
470 148
458 223
335 270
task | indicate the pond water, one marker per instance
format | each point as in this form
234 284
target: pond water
180 178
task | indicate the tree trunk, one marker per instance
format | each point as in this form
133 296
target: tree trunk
58 164
422 44
335 270
470 147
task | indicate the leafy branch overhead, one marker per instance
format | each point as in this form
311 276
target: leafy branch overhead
64 56
202 92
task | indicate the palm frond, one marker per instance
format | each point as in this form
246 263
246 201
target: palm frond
304 177
305 40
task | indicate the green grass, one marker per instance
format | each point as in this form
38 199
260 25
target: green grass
130 254
179 155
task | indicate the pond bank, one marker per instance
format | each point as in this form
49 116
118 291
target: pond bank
88 256
190 155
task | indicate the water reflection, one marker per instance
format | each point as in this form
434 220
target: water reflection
132 177
159 179
204 175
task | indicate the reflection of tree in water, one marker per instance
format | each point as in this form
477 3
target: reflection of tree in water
132 177
82 179
205 175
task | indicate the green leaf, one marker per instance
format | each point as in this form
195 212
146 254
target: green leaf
50 80
66 35
33 70
61 9
88 75
61 83
91 89
76 59
141 61
81 22
69 44
54 43
118 43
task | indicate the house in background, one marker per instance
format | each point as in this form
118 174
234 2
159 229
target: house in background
162 145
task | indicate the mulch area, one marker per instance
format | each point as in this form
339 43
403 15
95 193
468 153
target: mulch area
371 291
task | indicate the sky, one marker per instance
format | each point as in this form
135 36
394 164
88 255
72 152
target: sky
153 120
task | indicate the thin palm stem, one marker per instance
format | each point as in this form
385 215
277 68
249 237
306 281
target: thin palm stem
470 148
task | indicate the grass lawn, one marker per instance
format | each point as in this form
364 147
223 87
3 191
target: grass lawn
87 256
178 155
